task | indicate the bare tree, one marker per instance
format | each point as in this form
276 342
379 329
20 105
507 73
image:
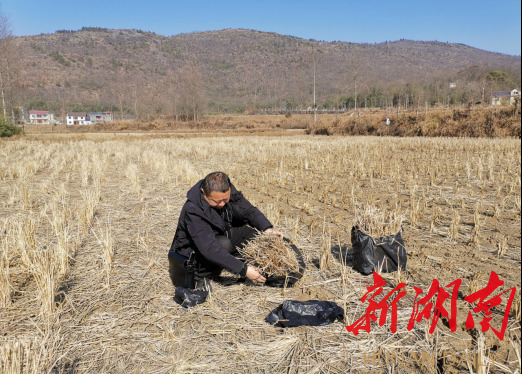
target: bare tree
5 49
192 92
354 71
9 69
118 91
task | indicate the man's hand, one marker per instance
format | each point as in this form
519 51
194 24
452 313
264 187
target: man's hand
254 274
274 232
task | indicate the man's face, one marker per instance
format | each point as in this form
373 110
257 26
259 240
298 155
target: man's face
217 199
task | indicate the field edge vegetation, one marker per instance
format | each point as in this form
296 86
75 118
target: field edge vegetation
503 122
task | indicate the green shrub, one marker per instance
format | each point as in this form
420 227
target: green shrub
59 58
7 129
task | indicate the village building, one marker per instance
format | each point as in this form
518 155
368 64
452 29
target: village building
78 119
89 118
514 95
101 117
41 117
505 97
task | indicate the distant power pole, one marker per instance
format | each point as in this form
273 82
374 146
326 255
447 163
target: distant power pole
315 107
355 87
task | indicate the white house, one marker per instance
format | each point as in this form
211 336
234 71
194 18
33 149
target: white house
41 117
89 118
505 97
78 119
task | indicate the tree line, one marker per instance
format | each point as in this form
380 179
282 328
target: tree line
184 95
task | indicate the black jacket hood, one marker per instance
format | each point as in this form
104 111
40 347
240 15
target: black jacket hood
195 195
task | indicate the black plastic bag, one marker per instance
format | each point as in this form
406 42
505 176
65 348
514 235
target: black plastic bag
308 313
291 278
188 298
386 253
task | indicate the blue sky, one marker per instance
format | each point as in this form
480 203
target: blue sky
489 25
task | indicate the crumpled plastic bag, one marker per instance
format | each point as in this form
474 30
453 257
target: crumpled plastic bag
308 313
386 253
188 298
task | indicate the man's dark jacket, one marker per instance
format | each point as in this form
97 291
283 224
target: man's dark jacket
199 224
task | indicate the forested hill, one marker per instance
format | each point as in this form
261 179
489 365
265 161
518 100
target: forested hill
229 69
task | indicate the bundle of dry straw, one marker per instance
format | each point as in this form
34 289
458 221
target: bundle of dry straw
376 222
271 255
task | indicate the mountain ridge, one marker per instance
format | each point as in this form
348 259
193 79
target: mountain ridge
87 28
235 68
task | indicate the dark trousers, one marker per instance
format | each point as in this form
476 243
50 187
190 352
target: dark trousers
237 238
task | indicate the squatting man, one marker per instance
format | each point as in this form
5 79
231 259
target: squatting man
214 222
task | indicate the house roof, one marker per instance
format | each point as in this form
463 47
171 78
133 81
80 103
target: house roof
38 112
76 115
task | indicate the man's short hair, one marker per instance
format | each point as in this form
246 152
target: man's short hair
216 181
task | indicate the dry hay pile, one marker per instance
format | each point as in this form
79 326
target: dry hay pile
271 254
376 222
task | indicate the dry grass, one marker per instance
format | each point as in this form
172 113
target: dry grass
270 254
378 223
458 122
85 288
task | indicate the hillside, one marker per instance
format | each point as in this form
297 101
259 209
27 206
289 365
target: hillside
147 73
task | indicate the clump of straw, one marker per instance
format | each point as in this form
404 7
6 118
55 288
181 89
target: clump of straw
376 222
271 255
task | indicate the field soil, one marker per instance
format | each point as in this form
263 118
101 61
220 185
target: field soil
86 224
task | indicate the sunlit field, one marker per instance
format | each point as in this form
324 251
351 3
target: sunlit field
86 226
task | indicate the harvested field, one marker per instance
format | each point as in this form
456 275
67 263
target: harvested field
86 226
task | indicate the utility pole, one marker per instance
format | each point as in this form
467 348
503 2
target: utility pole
2 95
355 86
315 106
